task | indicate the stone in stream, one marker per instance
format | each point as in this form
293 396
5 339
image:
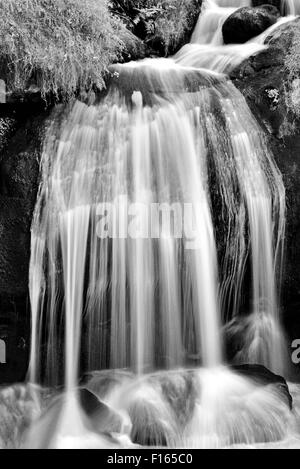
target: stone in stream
247 23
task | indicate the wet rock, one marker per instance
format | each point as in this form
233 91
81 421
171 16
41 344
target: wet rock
264 377
180 391
15 220
263 77
246 404
15 216
19 163
21 134
259 3
247 23
51 428
102 418
264 81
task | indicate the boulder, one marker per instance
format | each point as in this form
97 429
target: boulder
247 23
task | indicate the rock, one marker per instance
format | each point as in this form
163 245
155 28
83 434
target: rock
19 405
51 428
163 27
275 3
264 81
19 172
247 23
264 377
19 164
102 418
15 216
166 407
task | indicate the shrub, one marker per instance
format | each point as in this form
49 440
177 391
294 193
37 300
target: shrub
61 45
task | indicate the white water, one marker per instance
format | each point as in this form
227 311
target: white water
207 49
171 131
290 7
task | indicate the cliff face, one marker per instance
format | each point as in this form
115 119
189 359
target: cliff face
22 134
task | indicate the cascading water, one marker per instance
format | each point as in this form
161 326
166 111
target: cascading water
290 7
126 267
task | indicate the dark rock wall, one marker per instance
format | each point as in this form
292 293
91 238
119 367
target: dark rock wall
263 80
21 141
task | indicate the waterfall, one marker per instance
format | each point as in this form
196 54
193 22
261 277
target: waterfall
159 227
160 206
209 26
290 7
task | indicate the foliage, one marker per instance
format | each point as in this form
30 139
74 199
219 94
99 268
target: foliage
163 23
65 46
61 45
292 67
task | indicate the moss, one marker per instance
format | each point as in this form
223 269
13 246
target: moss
61 46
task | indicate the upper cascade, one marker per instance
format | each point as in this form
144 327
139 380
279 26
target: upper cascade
290 7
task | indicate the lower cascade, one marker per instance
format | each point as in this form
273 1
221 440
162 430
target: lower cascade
158 233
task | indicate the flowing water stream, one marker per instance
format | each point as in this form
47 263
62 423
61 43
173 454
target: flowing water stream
290 7
160 218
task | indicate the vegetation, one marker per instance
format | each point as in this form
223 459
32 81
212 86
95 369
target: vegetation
162 24
65 46
60 45
292 66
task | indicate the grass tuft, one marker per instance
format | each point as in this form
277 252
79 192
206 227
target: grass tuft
62 46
